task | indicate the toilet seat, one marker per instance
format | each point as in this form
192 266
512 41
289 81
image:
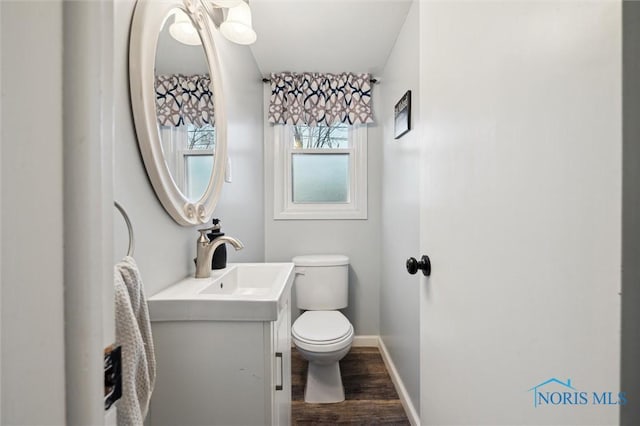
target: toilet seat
322 331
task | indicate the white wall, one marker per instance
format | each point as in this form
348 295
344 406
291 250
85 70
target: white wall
630 371
241 205
399 291
33 383
358 239
165 250
521 108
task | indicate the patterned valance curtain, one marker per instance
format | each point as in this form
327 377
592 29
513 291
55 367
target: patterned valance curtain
184 99
320 99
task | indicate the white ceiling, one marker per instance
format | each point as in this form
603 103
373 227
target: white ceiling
325 35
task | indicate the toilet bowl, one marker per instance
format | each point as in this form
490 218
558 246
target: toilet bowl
322 334
323 338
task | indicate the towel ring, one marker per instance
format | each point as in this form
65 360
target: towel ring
129 227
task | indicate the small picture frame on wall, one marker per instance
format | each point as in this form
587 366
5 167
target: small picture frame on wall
402 115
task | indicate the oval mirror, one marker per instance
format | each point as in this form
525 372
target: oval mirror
178 108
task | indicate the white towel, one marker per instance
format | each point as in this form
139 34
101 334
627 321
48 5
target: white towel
133 332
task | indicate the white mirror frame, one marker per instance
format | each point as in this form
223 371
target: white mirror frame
148 19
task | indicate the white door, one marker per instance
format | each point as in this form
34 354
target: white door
520 212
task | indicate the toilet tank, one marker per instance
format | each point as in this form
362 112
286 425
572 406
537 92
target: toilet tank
322 282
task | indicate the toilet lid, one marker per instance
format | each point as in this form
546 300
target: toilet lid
321 326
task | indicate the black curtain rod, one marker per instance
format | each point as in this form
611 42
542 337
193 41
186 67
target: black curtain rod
371 80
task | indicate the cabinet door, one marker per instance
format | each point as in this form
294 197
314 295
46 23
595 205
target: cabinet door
282 379
210 373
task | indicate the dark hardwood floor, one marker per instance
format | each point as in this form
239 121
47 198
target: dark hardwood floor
371 398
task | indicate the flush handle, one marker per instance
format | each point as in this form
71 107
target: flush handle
424 264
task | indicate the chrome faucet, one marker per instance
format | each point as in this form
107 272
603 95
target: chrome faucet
206 248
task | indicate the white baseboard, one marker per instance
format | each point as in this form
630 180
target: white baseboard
366 341
376 341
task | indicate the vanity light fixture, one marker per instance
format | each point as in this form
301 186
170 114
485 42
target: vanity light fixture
183 30
234 22
237 27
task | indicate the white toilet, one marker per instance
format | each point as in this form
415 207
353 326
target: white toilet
322 334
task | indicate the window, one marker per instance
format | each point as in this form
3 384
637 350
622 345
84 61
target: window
320 172
188 151
198 167
198 160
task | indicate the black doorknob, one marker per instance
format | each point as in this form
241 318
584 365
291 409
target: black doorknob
424 263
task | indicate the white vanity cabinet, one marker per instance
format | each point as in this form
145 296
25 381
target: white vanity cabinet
223 372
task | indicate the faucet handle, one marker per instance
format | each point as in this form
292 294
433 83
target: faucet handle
203 234
211 228
215 227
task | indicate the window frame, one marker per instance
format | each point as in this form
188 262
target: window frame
286 209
